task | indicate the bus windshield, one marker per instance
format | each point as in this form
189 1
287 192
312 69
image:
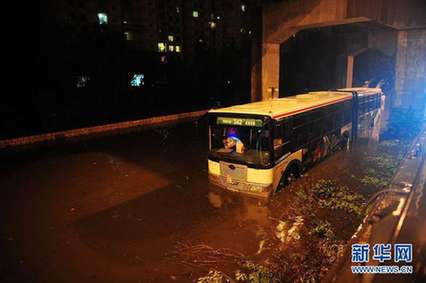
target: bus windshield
249 145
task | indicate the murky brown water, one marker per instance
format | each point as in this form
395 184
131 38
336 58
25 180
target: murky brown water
138 208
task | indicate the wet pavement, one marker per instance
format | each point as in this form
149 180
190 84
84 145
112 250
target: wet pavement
123 209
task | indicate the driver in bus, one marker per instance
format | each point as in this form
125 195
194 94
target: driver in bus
232 141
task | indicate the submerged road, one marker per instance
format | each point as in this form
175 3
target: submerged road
116 209
112 209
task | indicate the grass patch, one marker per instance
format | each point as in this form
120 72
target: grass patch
323 229
334 197
254 273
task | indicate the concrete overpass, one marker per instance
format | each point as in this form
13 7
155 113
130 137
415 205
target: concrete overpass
399 30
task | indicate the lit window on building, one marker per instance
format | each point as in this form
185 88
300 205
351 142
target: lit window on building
161 47
243 7
137 80
82 81
177 10
218 18
103 18
171 48
195 14
177 49
171 38
129 35
212 25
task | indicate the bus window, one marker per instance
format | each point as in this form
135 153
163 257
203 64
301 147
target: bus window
282 142
337 119
299 120
245 144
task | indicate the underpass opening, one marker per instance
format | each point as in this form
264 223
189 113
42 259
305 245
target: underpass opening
318 58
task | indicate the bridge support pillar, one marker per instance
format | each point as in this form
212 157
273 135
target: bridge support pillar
270 70
410 83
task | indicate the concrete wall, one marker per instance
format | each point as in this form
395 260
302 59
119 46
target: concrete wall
410 75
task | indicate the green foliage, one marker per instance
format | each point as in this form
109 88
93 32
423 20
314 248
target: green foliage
254 273
334 197
323 230
374 181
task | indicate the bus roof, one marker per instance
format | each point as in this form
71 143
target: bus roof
282 107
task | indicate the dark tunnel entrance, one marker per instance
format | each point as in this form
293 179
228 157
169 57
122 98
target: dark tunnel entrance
317 59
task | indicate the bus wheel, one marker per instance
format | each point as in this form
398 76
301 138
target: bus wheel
344 141
291 174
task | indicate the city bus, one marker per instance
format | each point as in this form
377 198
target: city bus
259 148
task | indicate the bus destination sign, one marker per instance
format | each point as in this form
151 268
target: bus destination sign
239 122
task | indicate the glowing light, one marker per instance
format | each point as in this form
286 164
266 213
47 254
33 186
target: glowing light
212 25
195 14
103 18
170 38
243 7
171 48
177 49
128 35
137 80
82 81
161 47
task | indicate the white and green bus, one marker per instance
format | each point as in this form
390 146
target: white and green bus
258 148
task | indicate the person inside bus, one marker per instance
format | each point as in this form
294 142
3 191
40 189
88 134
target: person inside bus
231 141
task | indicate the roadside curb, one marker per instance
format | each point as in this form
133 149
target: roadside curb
87 132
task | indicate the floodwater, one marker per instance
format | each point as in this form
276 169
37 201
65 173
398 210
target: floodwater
138 208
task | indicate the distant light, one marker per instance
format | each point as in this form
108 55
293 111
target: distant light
249 32
218 17
171 48
129 35
137 80
161 47
177 49
177 10
243 7
103 18
242 30
124 22
195 14
170 38
212 24
82 81
163 59
200 40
